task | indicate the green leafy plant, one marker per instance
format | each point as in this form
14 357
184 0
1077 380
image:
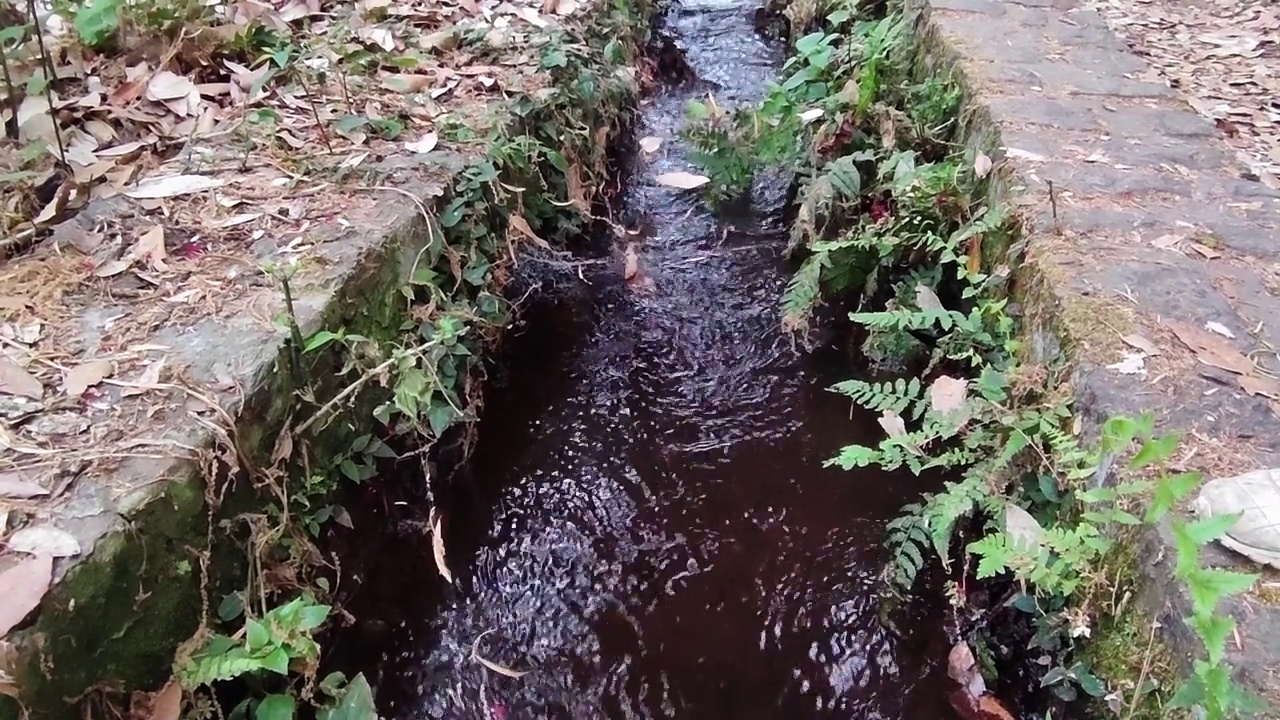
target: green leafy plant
893 219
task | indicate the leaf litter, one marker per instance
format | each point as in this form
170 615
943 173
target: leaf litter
1224 57
199 143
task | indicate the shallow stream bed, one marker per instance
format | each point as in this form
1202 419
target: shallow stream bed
648 530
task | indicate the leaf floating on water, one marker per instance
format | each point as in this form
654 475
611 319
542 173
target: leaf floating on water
44 540
22 587
650 144
17 381
84 376
500 669
521 226
682 180
437 548
631 263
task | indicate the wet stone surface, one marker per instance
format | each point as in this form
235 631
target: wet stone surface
652 533
1155 223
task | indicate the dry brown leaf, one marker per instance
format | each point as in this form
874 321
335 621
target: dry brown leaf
1211 349
630 262
500 669
650 144
1021 527
981 164
522 226
437 548
17 381
22 587
150 247
895 428
947 394
44 540
110 268
84 376
1139 342
14 485
424 144
168 702
682 180
927 299
963 668
172 186
1208 252
1259 385
973 257
166 85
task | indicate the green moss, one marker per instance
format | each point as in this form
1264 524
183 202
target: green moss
116 618
1123 650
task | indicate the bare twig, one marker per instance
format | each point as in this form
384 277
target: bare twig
10 127
1142 676
49 77
354 387
1053 205
315 112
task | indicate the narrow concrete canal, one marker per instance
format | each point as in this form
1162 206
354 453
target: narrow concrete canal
652 533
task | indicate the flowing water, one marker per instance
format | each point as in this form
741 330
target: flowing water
652 533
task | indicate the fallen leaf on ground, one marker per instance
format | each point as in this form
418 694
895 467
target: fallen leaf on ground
437 548
13 485
1208 252
168 702
682 180
1210 349
148 380
17 381
650 144
1132 364
150 247
1219 328
1139 342
947 394
166 85
84 376
22 587
172 186
522 226
110 268
809 116
44 540
981 164
1258 385
424 144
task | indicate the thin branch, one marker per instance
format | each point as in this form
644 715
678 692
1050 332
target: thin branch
49 77
10 127
351 389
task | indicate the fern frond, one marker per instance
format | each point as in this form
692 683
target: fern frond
804 290
903 319
895 396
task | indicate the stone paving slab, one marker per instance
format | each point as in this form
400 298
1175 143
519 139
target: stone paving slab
1118 177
